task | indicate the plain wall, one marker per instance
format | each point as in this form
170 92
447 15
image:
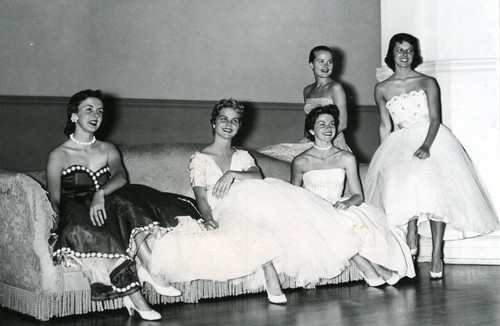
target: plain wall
194 50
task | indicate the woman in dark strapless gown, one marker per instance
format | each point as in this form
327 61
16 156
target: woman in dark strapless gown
104 223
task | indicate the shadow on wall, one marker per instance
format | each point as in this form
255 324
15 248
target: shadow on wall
359 133
247 128
111 115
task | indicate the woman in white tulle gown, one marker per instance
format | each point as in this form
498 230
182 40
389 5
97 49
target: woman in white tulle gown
420 174
323 170
324 91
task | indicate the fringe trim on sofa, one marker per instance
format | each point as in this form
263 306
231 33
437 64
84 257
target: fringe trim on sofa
45 305
48 304
192 292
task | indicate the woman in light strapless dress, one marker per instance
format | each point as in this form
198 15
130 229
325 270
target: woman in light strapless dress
384 256
323 91
421 175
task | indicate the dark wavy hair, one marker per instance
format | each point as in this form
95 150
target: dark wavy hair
229 103
311 118
73 104
312 54
400 38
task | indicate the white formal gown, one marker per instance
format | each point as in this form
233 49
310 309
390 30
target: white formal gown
380 245
444 187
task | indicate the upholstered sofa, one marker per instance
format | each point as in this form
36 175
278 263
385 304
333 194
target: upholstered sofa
31 284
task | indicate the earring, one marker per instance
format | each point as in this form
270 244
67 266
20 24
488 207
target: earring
74 118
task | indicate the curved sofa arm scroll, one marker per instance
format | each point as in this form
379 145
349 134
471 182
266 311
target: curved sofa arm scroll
26 217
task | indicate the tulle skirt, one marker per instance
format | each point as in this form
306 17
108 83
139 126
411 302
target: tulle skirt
444 187
380 245
235 250
313 239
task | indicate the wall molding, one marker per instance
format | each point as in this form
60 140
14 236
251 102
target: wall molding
482 250
163 103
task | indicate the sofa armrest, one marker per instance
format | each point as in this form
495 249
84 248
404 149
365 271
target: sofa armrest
26 217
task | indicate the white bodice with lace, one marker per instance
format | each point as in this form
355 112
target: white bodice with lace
327 183
409 109
314 102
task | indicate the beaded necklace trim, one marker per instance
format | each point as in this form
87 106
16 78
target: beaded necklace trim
92 174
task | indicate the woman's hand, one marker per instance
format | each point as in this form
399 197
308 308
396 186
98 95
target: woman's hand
423 152
211 224
341 205
221 188
97 210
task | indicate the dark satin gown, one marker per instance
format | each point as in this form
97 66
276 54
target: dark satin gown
130 210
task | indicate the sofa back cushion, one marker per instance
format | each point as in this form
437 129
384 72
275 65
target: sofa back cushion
165 166
161 166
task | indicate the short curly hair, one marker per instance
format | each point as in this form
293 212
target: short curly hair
400 38
229 103
311 118
73 104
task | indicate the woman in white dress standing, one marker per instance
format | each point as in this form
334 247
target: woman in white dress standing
324 91
323 170
420 174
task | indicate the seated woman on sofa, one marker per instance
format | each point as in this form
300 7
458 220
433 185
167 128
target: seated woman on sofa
312 240
323 169
232 250
104 223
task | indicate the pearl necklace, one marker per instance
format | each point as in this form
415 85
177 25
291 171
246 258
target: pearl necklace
85 143
323 148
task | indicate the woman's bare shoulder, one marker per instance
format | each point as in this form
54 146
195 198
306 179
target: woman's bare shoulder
302 159
307 90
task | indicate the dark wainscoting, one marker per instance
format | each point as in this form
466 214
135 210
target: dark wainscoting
30 126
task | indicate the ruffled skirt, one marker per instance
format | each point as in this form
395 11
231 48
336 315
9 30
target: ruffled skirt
380 245
314 241
107 252
235 250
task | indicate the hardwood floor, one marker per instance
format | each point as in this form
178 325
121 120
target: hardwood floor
468 295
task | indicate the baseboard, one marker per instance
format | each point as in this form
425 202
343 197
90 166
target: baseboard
483 250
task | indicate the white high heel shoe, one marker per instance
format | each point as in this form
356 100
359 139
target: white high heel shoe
372 281
144 277
275 299
146 315
437 275
394 279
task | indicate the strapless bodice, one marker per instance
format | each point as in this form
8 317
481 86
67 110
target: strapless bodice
78 180
328 183
409 109
314 102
